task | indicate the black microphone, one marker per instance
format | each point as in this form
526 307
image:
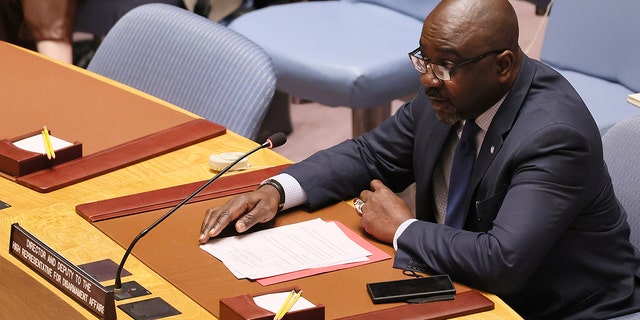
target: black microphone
273 141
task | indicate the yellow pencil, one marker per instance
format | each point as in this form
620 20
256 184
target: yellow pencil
47 143
278 315
290 304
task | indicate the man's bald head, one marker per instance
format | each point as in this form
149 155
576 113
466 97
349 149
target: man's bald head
484 24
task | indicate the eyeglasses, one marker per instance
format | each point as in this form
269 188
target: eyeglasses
441 72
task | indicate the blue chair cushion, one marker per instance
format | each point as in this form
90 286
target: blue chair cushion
418 9
594 44
606 100
337 53
597 38
633 316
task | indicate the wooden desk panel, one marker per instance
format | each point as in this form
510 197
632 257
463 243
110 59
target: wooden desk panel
75 106
25 298
116 127
52 218
172 250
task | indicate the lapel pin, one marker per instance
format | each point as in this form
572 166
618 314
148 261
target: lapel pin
492 149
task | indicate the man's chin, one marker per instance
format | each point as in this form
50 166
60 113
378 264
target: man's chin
447 118
445 112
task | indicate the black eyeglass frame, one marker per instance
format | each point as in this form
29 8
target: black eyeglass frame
445 71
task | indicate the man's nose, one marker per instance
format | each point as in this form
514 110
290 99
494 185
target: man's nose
429 79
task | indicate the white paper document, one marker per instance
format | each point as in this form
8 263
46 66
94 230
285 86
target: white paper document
310 244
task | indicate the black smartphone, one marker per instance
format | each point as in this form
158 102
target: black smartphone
417 290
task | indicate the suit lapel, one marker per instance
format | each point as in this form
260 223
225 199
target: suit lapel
501 124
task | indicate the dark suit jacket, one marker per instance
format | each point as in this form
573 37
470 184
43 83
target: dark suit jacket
544 230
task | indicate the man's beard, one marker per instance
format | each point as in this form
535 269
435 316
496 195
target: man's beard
446 118
449 119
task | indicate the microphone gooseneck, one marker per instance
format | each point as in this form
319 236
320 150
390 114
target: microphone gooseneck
273 141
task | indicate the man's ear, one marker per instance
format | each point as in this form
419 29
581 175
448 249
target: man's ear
505 65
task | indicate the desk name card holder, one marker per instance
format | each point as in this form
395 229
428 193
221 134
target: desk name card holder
63 274
17 162
243 307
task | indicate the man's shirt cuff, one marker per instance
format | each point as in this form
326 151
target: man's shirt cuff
294 195
400 230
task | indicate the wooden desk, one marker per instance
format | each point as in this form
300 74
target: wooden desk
51 217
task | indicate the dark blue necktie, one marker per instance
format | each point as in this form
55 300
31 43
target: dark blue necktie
463 160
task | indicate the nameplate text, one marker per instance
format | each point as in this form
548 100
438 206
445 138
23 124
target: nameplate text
63 274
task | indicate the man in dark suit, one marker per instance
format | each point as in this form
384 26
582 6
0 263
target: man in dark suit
536 220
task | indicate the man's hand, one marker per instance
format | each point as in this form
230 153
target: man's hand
383 212
250 208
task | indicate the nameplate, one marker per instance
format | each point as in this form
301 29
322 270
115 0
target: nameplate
63 274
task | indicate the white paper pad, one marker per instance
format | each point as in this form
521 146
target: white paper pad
273 302
36 144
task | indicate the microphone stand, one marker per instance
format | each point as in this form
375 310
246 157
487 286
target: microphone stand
273 141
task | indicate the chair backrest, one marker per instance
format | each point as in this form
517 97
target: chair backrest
192 62
596 37
418 9
621 146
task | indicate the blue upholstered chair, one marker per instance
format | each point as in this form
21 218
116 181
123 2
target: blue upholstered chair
192 62
621 145
595 45
342 53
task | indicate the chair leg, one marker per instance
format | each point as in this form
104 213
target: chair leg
363 120
277 119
